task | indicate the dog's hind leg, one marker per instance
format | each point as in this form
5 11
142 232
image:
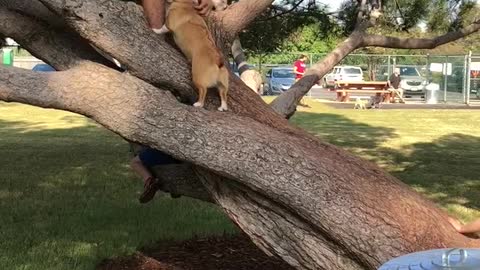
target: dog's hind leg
202 94
201 82
223 88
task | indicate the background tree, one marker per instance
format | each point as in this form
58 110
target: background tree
310 203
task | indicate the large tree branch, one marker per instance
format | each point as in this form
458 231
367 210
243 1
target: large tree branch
291 182
181 179
240 14
419 43
122 33
33 8
61 49
119 28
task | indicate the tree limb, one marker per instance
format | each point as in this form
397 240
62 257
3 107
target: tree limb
33 8
63 50
318 188
419 43
283 12
123 34
240 14
181 179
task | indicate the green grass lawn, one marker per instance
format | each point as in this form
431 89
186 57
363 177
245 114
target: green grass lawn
68 198
437 152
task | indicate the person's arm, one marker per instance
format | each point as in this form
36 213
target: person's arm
203 7
154 10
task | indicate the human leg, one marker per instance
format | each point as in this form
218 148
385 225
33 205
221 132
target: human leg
154 10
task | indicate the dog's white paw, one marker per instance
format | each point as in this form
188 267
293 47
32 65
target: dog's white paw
198 105
222 109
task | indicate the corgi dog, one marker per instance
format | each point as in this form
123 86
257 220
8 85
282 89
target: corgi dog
192 36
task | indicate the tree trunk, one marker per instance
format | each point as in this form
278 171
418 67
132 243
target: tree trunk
310 203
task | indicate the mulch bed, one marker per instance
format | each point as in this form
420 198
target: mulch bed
235 252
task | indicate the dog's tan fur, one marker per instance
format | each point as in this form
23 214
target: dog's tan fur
193 38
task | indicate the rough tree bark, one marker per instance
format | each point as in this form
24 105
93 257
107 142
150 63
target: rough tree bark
308 202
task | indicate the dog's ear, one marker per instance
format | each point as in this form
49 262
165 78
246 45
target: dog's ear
170 1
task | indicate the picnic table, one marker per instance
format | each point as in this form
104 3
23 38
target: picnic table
345 88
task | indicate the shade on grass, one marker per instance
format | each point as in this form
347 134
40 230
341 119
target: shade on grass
68 198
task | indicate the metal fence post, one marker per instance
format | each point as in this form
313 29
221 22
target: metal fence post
445 88
311 64
429 73
464 86
469 63
389 68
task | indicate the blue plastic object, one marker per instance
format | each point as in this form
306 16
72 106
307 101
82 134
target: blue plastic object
43 68
437 259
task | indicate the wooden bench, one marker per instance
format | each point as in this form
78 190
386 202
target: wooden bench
345 88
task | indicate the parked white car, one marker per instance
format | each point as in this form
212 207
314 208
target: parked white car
342 73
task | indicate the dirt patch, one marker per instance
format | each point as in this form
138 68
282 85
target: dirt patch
214 253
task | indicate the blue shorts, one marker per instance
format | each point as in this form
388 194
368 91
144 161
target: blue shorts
152 157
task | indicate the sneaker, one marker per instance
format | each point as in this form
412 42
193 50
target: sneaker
150 188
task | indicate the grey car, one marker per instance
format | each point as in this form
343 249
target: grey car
412 82
279 80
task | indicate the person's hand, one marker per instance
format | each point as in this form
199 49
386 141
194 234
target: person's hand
203 7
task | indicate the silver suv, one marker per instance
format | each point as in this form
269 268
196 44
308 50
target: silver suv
412 81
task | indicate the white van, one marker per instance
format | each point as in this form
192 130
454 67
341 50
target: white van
342 73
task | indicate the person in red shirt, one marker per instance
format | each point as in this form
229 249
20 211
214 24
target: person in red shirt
299 67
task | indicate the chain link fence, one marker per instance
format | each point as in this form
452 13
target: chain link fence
451 72
458 76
